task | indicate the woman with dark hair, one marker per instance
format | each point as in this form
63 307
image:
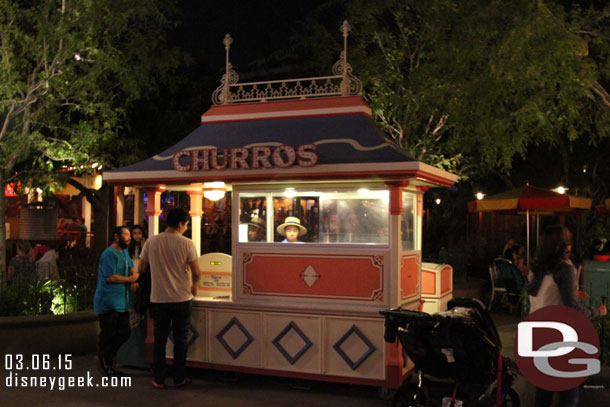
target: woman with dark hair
138 238
552 281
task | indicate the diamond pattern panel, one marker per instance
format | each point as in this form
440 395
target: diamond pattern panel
277 342
365 347
233 336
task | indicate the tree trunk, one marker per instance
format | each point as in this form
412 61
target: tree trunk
101 218
3 274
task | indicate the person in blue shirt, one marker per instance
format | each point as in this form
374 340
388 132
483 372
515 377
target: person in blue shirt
512 274
115 273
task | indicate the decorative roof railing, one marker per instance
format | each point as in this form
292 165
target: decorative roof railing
341 83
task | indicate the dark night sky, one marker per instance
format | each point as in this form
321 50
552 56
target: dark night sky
258 28
261 30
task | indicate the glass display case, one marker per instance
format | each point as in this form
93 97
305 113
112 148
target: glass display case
330 215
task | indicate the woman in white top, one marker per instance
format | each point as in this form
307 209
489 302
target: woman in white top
552 281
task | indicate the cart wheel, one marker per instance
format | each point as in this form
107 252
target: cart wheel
386 393
408 395
511 399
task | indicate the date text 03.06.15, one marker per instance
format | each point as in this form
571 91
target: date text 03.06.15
37 362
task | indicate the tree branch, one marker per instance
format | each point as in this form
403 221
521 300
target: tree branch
7 118
90 195
439 126
395 131
601 92
591 33
10 164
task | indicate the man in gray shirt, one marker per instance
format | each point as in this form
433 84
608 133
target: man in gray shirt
172 290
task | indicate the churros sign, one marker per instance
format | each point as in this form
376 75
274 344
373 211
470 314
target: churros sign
258 157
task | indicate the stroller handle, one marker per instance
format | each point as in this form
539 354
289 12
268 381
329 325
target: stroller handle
398 317
405 315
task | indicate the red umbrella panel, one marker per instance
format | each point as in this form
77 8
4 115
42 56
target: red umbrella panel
10 189
531 200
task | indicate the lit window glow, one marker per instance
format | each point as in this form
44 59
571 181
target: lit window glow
98 182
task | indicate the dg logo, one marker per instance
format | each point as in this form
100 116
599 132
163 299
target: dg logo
557 348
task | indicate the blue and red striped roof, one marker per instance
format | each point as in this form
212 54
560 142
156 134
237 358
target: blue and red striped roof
347 142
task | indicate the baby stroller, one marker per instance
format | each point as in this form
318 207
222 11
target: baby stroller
460 349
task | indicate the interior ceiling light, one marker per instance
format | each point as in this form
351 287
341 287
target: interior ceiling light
214 190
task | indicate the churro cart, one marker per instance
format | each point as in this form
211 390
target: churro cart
309 149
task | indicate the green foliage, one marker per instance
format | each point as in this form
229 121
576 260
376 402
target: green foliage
71 70
29 298
602 326
74 292
468 86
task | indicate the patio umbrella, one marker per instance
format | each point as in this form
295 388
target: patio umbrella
9 190
531 200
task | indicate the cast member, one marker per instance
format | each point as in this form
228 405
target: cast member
256 230
292 230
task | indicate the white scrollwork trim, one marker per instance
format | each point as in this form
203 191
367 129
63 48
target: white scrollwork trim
303 88
222 94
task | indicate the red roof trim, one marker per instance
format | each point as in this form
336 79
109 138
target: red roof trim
285 109
398 174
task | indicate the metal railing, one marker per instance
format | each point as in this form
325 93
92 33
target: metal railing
341 83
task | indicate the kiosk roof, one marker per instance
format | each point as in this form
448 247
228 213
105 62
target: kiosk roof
338 130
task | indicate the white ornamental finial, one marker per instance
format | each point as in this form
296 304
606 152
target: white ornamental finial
345 83
222 95
227 41
225 90
345 28
350 85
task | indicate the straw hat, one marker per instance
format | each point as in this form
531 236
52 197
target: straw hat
291 221
257 223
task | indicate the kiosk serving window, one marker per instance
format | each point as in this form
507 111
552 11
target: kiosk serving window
408 227
345 216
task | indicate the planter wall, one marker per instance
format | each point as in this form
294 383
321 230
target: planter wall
74 333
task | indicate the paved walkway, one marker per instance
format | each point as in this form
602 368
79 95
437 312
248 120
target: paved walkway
212 388
209 388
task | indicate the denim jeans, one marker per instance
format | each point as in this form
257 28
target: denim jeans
177 316
567 398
